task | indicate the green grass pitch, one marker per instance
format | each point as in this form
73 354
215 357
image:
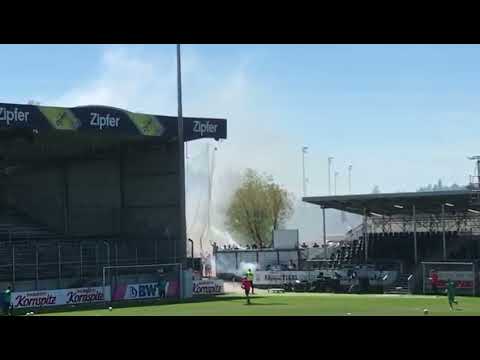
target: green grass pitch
297 304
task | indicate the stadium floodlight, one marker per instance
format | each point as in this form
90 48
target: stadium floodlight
335 182
473 211
349 179
477 159
375 214
330 159
181 162
398 206
448 204
304 151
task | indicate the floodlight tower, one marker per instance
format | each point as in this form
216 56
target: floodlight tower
335 182
304 151
349 179
330 158
477 175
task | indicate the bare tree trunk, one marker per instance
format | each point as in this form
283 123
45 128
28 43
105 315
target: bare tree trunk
259 237
253 232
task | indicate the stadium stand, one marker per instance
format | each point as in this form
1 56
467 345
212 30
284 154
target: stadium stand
399 246
76 196
389 228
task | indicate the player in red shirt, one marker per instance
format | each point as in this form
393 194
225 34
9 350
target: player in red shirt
246 286
434 280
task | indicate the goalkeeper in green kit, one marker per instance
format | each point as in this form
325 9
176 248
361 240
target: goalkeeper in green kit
451 293
6 298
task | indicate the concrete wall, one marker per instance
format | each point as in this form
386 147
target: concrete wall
94 197
150 186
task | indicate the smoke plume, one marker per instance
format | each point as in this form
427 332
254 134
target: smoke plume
142 82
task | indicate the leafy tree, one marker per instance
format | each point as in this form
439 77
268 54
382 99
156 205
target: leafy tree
258 207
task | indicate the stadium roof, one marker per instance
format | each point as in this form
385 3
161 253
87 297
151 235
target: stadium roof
104 121
31 133
394 204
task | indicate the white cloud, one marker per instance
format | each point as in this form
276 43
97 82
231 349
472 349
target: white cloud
130 82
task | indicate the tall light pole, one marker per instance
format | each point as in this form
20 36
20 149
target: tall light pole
477 175
304 151
182 238
329 176
186 182
349 179
186 168
335 182
210 169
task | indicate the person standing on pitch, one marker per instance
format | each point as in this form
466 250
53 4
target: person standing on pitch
250 279
434 280
161 285
246 288
6 298
451 293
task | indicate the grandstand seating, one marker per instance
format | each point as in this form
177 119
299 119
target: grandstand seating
16 226
348 254
400 246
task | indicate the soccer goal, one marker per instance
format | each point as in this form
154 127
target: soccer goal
138 282
436 274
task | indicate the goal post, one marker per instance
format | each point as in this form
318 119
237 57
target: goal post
463 274
138 282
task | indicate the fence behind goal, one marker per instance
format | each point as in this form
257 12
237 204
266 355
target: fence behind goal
463 274
138 282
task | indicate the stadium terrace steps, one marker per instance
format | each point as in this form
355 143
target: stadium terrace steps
15 226
349 254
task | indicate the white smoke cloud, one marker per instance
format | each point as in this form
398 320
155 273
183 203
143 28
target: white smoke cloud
144 82
128 81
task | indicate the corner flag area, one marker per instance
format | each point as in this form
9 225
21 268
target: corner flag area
296 304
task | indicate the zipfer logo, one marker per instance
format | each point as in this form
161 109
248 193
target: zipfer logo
202 128
15 115
103 121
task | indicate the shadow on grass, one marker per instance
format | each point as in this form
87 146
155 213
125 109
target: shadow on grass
221 298
264 304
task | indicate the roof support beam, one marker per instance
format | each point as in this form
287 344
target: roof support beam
415 249
444 241
365 233
324 234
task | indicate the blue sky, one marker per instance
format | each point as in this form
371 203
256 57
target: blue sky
402 115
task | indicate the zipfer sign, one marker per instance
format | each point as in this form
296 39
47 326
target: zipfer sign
99 120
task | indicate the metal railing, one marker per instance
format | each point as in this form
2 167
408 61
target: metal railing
46 264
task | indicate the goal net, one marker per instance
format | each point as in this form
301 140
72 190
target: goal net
436 274
138 282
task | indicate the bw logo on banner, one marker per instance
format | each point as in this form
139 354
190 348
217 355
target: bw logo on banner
133 292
